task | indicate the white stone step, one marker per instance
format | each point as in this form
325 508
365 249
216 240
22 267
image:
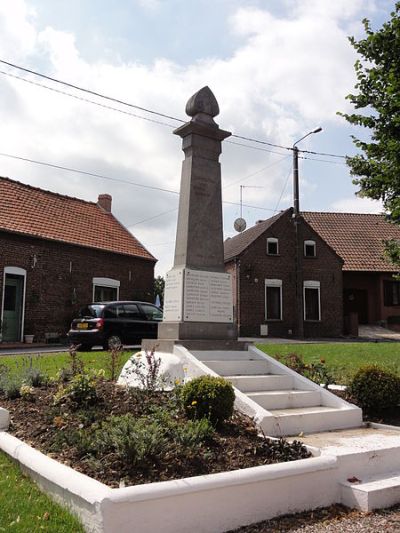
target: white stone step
286 399
371 493
262 382
288 422
238 368
225 355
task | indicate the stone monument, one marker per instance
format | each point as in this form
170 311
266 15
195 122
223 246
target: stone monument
198 293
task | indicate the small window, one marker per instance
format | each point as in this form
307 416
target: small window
391 291
272 246
312 300
310 249
111 312
273 299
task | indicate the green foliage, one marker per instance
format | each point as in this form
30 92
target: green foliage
159 287
374 388
80 391
135 440
27 393
280 450
35 377
316 372
378 95
208 397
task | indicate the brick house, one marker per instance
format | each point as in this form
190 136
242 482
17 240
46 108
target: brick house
307 281
59 252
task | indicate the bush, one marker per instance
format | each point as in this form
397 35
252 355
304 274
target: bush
136 441
316 372
36 378
208 397
374 388
80 391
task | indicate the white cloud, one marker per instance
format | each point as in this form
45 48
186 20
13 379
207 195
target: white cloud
286 76
357 205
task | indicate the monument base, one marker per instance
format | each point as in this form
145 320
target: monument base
197 330
167 345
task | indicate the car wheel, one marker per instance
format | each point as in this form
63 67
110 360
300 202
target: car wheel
114 341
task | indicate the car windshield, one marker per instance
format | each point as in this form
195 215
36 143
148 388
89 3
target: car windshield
91 311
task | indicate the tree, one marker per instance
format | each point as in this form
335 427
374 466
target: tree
159 286
377 168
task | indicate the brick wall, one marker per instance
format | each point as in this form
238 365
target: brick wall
59 278
256 266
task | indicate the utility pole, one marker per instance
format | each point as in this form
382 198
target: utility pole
298 247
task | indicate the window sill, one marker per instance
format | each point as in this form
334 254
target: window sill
312 321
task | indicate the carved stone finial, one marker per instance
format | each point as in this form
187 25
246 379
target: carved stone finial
203 106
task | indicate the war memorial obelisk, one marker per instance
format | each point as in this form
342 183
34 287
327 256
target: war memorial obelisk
198 293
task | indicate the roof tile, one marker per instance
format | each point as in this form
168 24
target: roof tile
32 211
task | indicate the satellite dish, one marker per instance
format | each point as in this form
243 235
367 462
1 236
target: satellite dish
239 224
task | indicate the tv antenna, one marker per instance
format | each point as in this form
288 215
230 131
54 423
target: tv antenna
240 223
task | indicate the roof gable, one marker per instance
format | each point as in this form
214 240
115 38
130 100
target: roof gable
35 212
234 246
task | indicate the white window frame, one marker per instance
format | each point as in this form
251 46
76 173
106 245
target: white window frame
312 285
18 272
273 283
310 243
273 240
105 282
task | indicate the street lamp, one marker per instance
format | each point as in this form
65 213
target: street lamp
298 250
296 201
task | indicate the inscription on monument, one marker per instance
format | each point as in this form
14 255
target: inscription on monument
207 297
198 296
173 295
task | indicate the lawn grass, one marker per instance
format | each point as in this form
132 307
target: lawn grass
53 362
342 359
24 508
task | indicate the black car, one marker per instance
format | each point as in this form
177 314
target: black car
121 322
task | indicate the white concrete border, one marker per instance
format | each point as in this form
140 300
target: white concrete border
212 503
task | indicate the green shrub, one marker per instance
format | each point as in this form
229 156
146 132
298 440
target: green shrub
194 433
374 388
80 391
316 372
134 440
35 377
208 397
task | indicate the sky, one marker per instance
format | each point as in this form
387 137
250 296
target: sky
278 68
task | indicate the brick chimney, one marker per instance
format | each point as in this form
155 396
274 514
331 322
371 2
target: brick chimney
104 201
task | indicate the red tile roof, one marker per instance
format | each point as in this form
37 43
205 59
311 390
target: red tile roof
31 211
356 238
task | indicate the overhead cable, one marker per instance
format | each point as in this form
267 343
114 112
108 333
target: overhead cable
147 110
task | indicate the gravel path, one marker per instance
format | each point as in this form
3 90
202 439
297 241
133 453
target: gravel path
335 519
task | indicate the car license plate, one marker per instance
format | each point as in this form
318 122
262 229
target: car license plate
82 325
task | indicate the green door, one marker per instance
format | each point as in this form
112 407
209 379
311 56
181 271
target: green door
12 309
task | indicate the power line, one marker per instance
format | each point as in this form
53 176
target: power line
89 91
86 173
283 190
84 99
110 98
102 176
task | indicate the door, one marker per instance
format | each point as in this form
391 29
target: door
13 307
356 301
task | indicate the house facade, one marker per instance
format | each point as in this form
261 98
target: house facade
308 277
58 253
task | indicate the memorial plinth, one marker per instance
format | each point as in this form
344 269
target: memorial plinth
198 293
